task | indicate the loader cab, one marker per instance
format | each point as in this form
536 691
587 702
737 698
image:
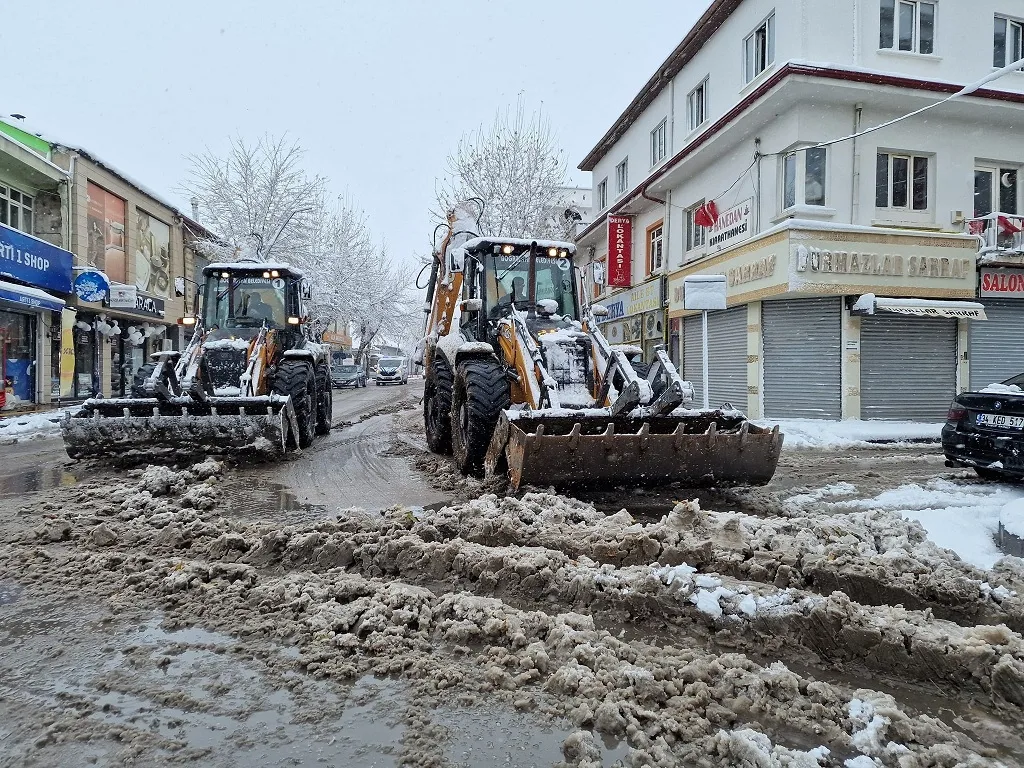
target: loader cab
239 299
498 279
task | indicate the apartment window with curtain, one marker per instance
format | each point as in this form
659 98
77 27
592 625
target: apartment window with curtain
907 25
15 208
696 235
1007 42
697 106
804 177
659 145
655 248
995 190
901 181
622 176
759 49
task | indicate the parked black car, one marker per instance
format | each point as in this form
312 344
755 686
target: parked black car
348 376
985 430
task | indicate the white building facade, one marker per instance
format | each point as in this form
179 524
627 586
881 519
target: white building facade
754 111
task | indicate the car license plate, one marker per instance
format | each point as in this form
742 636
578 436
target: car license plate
999 420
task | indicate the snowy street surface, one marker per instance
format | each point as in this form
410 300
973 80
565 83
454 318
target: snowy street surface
362 604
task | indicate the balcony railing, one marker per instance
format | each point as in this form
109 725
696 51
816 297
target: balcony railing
999 232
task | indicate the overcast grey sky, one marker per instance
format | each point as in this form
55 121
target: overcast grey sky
377 92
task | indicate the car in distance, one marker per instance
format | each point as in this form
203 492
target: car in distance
985 430
392 370
348 375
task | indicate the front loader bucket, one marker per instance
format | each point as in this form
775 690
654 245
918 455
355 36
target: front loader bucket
585 450
129 430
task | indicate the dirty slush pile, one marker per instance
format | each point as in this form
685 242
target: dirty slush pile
673 636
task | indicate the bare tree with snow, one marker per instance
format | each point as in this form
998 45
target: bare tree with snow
516 167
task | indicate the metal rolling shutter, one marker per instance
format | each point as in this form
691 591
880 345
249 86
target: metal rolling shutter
995 351
803 358
907 367
727 357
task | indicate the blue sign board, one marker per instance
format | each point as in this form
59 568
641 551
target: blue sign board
34 261
92 286
33 299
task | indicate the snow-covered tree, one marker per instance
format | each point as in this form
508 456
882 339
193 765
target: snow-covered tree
263 205
515 166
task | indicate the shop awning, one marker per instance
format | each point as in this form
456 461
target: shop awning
869 304
30 298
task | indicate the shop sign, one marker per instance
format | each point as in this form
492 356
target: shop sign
1001 282
150 306
857 262
91 285
643 298
731 226
33 261
334 337
123 296
620 251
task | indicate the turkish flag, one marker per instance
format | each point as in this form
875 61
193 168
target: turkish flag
1009 226
706 215
976 226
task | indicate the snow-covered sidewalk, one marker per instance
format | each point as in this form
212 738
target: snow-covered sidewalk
29 426
851 433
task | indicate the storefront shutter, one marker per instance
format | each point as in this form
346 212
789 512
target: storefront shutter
907 367
995 352
802 358
727 357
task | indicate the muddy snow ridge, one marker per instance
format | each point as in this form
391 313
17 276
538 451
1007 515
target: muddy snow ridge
529 601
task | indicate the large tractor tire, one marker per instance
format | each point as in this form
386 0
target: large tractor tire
139 380
480 394
296 378
437 405
325 400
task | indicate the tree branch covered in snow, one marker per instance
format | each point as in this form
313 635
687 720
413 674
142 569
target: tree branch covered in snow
264 206
517 168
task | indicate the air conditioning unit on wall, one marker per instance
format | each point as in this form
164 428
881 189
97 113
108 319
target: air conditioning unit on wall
654 325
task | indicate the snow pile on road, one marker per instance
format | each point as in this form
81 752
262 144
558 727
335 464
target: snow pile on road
851 433
1011 517
31 426
957 516
528 601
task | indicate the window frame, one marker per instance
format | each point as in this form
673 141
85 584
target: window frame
602 194
912 161
25 204
797 159
750 49
1009 23
998 170
696 235
692 105
915 32
655 229
622 177
659 142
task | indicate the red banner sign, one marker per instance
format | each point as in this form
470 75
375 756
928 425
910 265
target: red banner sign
620 251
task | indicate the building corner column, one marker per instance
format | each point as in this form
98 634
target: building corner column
755 355
963 358
850 373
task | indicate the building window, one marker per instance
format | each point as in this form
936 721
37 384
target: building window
621 176
697 106
655 248
995 187
901 182
1008 42
602 195
759 49
15 209
696 235
810 166
907 25
659 147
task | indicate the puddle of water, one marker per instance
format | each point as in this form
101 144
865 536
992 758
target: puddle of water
1008 543
256 498
31 480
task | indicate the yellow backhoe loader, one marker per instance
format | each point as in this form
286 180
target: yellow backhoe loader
249 381
527 384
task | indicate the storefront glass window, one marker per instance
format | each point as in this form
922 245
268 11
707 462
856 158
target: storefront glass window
17 339
86 368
